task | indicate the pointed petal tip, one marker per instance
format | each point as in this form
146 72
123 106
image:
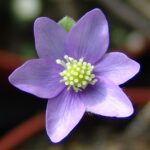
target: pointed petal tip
96 10
117 67
89 37
107 99
40 19
52 138
63 113
49 38
55 139
9 78
137 67
12 78
126 112
32 76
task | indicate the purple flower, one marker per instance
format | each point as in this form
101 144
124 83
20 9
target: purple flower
74 73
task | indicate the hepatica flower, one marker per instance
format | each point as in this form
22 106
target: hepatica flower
75 73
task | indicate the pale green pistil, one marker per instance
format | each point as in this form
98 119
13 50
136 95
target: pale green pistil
77 73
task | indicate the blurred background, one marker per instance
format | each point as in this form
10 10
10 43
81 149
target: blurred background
129 23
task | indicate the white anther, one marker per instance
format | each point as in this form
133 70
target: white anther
71 59
58 61
82 71
92 67
84 67
68 64
68 74
71 83
84 83
68 67
87 77
92 75
75 73
64 72
65 78
74 61
66 57
81 60
89 64
79 85
84 63
72 72
80 76
76 80
88 72
78 69
71 78
93 81
75 65
66 83
79 63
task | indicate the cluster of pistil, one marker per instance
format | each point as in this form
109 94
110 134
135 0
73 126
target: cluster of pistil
77 73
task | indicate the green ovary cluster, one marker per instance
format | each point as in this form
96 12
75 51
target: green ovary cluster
77 73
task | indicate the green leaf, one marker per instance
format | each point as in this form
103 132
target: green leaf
67 23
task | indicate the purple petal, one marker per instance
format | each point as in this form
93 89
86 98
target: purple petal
63 114
89 38
107 99
39 77
49 38
117 67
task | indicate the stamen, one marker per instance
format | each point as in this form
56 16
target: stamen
80 76
61 62
66 57
58 61
71 83
87 77
71 78
84 83
66 83
76 80
77 74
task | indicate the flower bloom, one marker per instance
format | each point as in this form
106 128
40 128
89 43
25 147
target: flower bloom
75 73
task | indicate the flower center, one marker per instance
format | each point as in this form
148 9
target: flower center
77 73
